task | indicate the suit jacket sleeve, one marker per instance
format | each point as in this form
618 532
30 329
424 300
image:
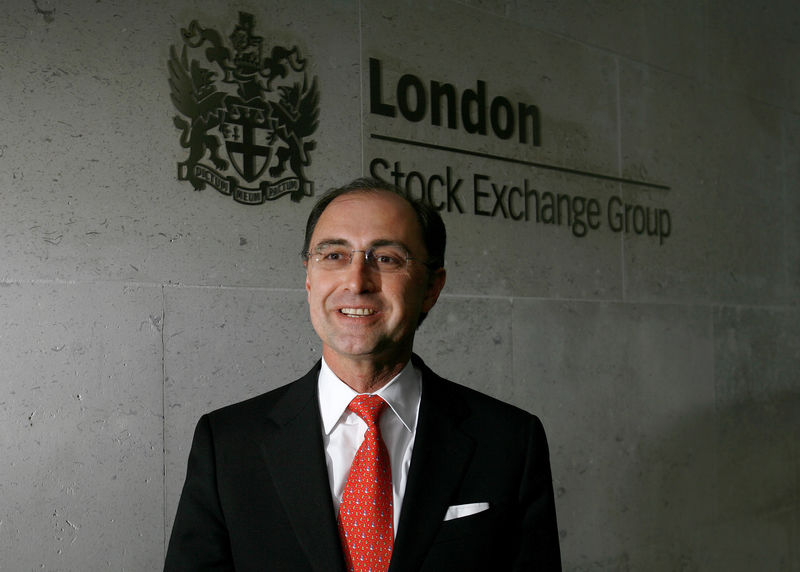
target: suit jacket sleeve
539 543
199 539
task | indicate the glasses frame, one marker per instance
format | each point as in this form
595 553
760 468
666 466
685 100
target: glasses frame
369 258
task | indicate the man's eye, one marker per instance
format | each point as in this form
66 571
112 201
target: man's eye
332 255
389 259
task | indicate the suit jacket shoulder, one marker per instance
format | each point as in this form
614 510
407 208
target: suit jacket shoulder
275 406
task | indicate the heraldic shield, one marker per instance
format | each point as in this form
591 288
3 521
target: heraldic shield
264 110
248 135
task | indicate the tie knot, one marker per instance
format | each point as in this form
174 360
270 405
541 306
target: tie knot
368 407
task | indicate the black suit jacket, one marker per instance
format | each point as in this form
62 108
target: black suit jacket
257 497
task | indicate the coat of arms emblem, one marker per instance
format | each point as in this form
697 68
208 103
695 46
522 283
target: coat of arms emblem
246 122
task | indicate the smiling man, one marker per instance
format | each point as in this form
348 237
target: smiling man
370 462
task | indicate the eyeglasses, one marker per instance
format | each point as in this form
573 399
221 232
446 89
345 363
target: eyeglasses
384 259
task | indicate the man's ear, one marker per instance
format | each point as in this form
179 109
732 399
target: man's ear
436 282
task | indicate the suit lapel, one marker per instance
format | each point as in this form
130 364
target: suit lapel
441 454
295 457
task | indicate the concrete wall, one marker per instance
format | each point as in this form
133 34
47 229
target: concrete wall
665 373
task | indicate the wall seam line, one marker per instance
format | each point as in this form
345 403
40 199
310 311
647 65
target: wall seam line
622 266
164 413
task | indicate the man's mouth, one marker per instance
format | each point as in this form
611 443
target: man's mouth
357 311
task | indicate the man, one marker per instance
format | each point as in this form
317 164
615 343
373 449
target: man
370 460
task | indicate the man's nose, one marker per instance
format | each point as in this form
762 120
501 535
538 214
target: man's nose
361 274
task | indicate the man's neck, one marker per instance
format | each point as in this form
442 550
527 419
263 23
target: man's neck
367 375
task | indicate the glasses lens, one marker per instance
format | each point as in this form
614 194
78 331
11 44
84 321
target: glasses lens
331 256
389 258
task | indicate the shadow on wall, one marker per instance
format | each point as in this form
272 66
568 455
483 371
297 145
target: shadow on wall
719 491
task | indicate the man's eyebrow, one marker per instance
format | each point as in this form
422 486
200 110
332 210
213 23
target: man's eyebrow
373 244
332 242
388 242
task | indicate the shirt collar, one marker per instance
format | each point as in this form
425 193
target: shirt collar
402 393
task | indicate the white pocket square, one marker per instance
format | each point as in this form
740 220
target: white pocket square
462 510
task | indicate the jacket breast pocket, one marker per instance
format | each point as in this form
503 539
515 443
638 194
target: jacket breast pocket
478 542
483 523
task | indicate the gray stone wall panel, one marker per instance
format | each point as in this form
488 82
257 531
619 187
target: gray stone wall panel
725 202
81 417
619 388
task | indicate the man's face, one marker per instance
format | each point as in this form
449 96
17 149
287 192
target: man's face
358 312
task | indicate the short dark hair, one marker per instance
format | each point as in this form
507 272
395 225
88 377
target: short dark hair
433 232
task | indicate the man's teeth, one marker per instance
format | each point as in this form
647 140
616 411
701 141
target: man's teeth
357 311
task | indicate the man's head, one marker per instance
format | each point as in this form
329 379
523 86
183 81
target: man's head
369 305
431 224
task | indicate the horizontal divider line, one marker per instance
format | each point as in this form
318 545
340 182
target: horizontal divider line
520 162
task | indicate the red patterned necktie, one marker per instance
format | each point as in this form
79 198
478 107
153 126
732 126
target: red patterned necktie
365 514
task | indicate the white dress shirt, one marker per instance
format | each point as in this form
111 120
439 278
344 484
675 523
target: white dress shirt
343 430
